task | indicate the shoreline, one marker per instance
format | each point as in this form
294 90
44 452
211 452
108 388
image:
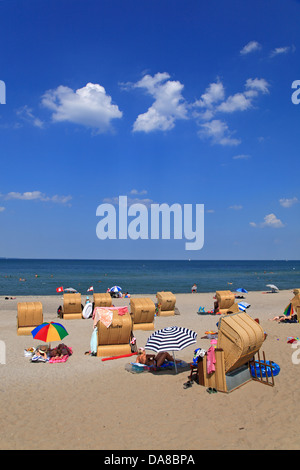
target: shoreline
90 294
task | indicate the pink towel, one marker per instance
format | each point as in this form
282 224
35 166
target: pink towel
211 360
105 314
58 359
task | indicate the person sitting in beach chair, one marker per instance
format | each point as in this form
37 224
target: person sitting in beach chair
151 359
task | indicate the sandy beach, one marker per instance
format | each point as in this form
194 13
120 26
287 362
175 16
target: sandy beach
87 403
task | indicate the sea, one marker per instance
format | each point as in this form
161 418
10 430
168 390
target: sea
43 276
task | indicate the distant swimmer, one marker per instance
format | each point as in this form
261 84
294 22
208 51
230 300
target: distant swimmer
22 279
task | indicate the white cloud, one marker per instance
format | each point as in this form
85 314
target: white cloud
243 101
250 47
236 207
169 104
279 51
2 209
213 102
218 132
135 191
241 157
285 202
89 106
237 102
213 94
257 84
26 114
38 196
270 220
130 200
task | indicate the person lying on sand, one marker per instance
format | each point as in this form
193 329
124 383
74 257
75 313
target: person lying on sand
285 318
42 351
150 359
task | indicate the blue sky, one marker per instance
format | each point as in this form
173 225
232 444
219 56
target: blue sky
161 101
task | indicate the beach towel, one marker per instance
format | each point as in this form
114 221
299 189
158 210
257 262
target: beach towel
53 360
106 314
136 368
94 341
211 360
37 358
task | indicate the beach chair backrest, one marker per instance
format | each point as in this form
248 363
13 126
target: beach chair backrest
102 300
166 300
142 310
119 332
72 303
240 337
225 298
29 314
295 302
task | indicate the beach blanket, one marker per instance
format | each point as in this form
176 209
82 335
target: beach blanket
105 315
56 359
67 352
37 358
136 368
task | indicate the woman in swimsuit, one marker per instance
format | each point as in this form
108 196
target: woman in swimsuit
150 359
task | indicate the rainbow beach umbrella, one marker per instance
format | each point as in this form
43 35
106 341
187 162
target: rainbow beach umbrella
289 310
48 332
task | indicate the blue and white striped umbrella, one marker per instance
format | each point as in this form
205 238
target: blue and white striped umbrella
172 338
115 289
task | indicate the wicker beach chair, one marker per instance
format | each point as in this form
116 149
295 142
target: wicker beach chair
166 304
29 316
102 300
239 339
225 302
72 307
114 340
142 312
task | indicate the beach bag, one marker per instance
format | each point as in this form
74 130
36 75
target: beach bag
94 341
199 352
